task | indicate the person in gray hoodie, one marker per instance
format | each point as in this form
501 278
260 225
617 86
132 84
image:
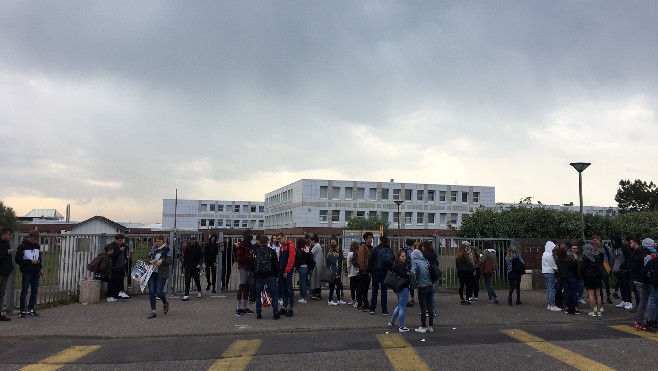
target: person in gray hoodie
622 272
548 269
420 278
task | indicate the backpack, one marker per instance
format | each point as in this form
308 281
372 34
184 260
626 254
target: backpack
487 267
385 258
262 260
95 265
518 266
593 268
355 259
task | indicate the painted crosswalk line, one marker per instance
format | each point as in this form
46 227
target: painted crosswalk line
62 358
237 356
400 353
631 330
567 356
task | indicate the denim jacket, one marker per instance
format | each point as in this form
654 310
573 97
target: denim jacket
420 273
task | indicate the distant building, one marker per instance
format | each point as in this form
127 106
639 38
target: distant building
43 214
213 214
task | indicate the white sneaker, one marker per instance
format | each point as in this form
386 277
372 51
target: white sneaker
621 305
421 330
302 300
198 295
123 295
280 302
332 303
341 302
582 301
556 309
111 300
355 304
628 306
549 307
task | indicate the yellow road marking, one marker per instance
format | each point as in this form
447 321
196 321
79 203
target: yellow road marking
60 359
400 353
631 330
237 356
561 354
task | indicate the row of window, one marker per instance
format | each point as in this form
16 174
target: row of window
279 198
371 194
228 223
214 208
444 218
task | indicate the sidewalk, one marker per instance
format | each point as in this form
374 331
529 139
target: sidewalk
215 315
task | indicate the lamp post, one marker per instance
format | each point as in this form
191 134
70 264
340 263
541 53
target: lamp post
398 202
580 167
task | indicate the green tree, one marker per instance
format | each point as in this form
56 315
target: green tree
370 224
7 216
636 196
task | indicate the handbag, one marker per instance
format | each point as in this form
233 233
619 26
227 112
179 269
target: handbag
326 275
607 266
435 273
395 282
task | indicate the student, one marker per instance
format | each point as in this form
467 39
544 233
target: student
105 267
245 270
365 249
266 269
335 262
116 288
548 269
590 269
488 264
192 262
512 260
160 256
567 268
275 244
6 265
420 278
409 247
287 264
400 268
643 284
463 263
28 257
620 268
228 259
318 257
380 261
210 253
352 272
302 256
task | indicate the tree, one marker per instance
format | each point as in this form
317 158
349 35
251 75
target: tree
370 224
8 216
636 196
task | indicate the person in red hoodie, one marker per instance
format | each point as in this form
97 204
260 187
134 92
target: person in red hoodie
245 269
287 263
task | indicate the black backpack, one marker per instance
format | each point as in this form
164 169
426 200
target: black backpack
263 260
355 259
518 266
385 258
593 268
95 265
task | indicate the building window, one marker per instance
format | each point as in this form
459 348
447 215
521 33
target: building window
419 218
236 224
430 196
260 224
361 214
228 223
245 224
372 214
419 195
348 193
453 218
253 208
323 216
211 222
396 216
220 222
476 197
335 215
245 209
252 223
431 218
396 194
385 216
261 209
453 196
212 208
407 217
348 215
236 208
465 197
408 194
323 191
203 222
360 193
373 194
204 207
335 193
220 208
442 196
443 218
384 193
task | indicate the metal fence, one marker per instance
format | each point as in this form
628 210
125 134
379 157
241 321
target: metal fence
65 258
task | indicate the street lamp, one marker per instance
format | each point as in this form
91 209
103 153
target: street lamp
580 167
398 202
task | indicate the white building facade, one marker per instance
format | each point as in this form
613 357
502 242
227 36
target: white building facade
312 203
213 214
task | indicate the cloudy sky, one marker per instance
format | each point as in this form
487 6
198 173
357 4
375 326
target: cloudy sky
112 105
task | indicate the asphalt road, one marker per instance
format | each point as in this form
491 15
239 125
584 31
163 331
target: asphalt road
474 347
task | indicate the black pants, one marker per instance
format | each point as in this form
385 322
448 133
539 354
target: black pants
192 272
606 283
115 283
338 285
353 286
465 280
226 269
514 284
211 270
425 301
625 286
559 294
476 282
362 290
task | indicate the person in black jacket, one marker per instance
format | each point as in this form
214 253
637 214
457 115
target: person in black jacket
400 268
622 254
378 266
266 270
210 253
28 257
567 268
192 262
642 283
6 265
116 287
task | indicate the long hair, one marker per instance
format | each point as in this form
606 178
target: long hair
511 251
354 246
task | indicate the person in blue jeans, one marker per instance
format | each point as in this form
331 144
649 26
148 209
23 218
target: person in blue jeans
266 269
304 256
28 257
160 257
488 263
400 268
548 269
567 267
287 264
378 266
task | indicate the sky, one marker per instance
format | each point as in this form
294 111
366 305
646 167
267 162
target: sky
111 106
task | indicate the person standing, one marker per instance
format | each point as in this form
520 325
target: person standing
192 262
6 265
487 267
643 284
400 268
287 255
604 250
364 275
160 257
116 288
28 257
266 269
318 257
567 268
420 278
513 263
464 271
335 262
210 253
590 269
622 254
245 269
548 269
228 259
408 249
380 261
302 259
352 271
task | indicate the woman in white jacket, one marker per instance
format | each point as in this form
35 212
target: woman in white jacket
548 269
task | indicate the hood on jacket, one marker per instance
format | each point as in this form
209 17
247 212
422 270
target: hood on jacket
416 254
550 245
